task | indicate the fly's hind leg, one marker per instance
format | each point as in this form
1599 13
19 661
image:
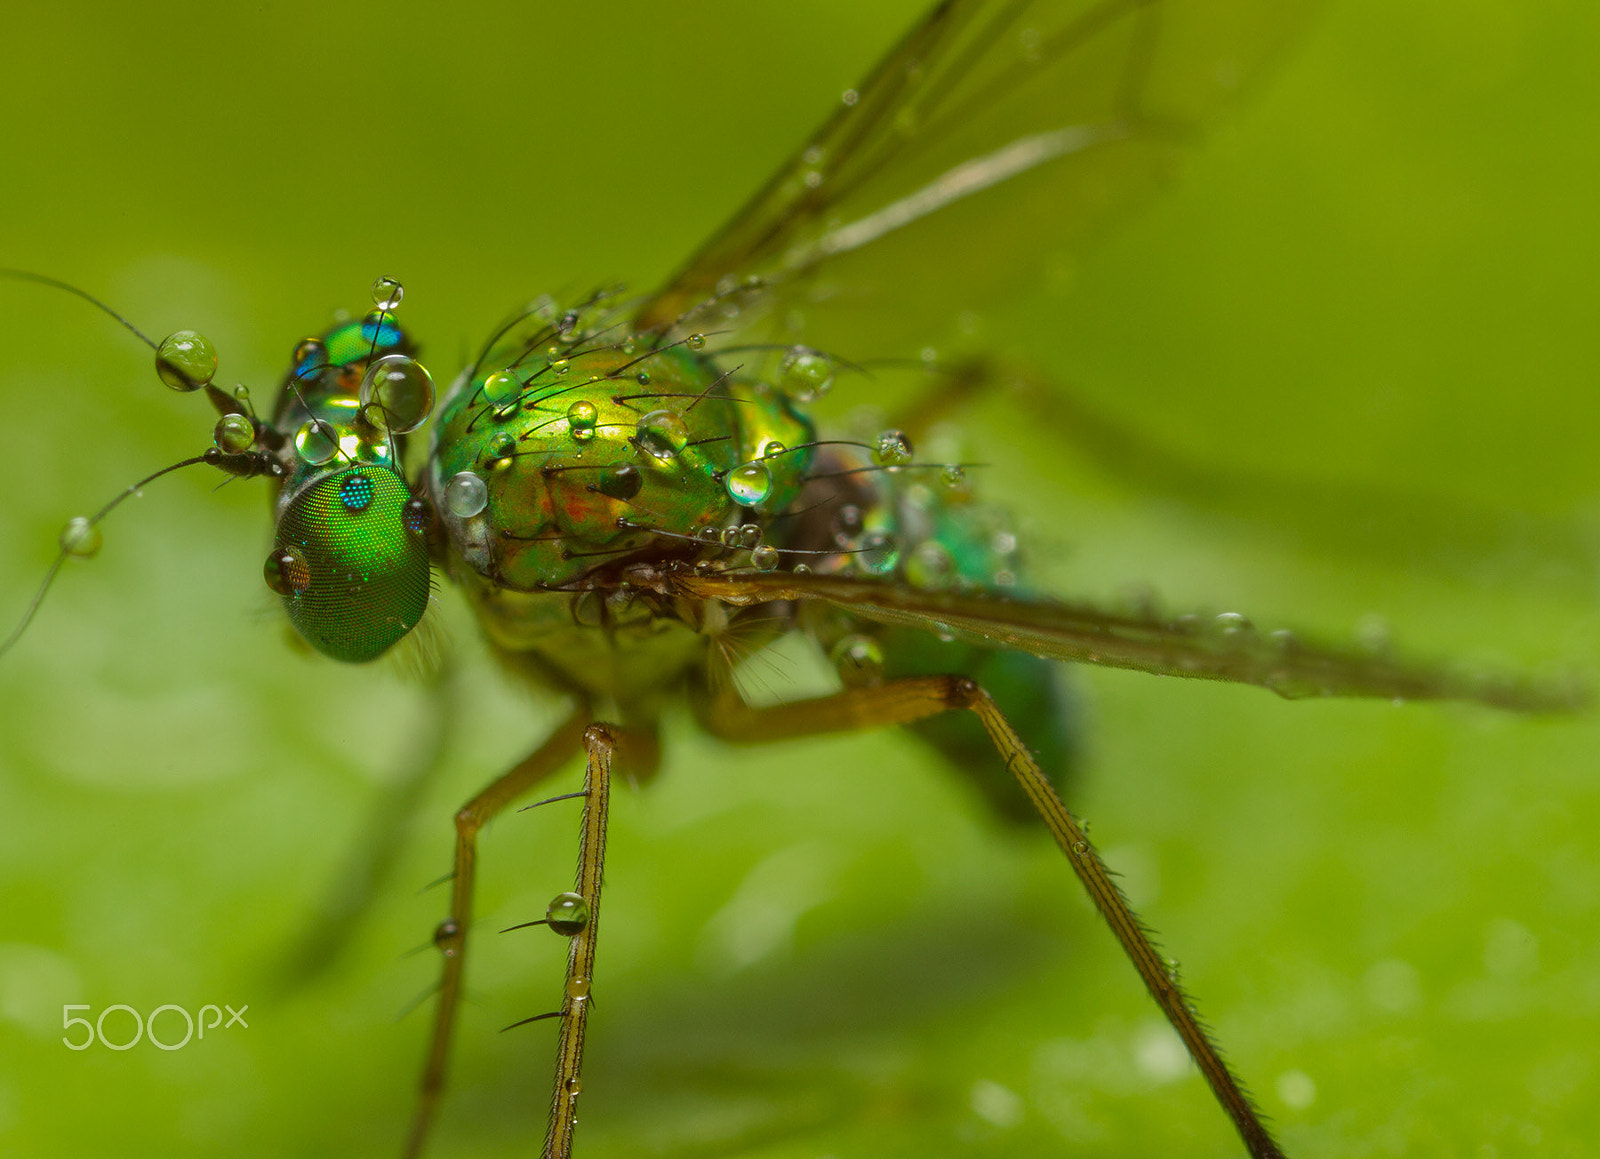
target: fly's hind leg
915 698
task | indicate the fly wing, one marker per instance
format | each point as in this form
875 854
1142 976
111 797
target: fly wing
1223 648
989 113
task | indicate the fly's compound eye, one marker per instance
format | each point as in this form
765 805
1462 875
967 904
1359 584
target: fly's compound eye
351 562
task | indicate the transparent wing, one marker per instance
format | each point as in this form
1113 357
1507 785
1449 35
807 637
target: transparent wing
1223 648
1017 126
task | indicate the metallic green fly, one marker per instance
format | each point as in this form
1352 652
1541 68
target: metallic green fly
634 496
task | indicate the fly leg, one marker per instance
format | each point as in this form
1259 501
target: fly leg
919 697
600 743
451 936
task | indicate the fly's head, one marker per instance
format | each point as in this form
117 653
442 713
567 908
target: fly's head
350 557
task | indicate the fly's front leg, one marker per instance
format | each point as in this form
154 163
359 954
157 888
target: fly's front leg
916 698
451 936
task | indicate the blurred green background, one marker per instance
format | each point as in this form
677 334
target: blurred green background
1346 368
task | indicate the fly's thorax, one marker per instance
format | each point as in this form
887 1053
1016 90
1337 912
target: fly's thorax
556 465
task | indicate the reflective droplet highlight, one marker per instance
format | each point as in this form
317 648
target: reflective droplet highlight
355 492
663 433
316 442
502 388
567 914
765 557
858 659
582 418
749 483
879 552
387 294
287 572
893 449
804 374
620 482
402 388
466 495
233 434
80 537
185 361
502 445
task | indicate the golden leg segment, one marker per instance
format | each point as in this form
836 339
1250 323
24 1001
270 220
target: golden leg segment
915 698
451 936
600 742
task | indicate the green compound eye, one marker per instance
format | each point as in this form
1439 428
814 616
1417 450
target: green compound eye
351 563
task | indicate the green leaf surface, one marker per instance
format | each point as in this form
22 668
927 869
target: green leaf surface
1342 369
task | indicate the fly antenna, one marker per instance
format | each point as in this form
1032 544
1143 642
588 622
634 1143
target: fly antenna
81 538
68 287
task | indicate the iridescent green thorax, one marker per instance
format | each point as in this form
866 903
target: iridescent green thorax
554 464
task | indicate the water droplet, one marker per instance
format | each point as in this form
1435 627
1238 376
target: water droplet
931 565
709 534
697 342
1234 624
466 495
879 552
567 914
401 388
559 365
387 294
80 537
730 537
749 483
185 361
764 556
233 434
355 492
447 936
893 449
804 374
858 659
503 387
287 572
316 442
574 1087
953 475
310 355
416 516
620 482
663 433
502 445
847 525
582 416
642 378
578 988
801 569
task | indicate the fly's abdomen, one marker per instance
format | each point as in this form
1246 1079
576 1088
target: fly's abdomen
922 524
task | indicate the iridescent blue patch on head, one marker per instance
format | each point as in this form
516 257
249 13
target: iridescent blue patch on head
355 492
